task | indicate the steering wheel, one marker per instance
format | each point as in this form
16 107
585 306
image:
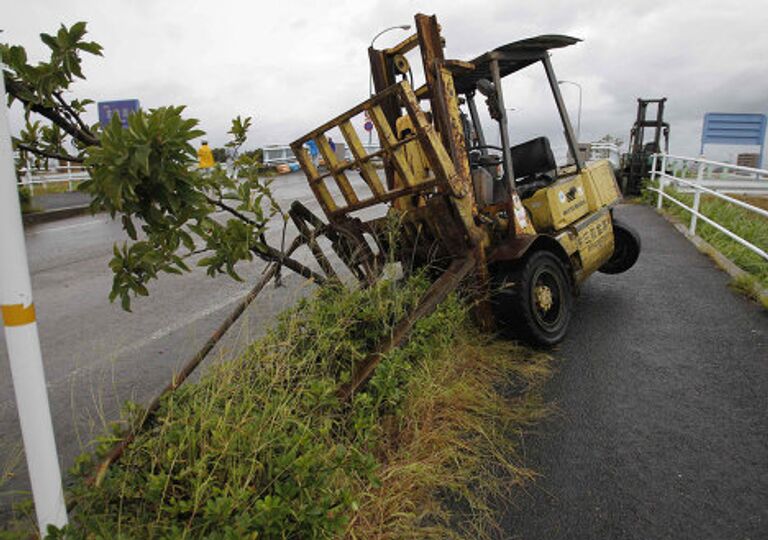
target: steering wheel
497 148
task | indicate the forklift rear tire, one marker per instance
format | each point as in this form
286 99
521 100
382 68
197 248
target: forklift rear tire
626 249
536 298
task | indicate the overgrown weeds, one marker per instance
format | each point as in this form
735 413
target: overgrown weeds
750 286
262 447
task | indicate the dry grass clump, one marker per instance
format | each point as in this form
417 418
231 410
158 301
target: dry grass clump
452 451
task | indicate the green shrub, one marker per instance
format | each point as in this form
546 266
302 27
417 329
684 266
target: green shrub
262 444
25 197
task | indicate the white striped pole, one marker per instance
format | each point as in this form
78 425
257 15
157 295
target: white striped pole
18 314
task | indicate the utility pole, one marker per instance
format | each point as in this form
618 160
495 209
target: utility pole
23 343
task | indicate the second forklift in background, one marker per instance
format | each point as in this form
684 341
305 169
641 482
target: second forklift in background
636 163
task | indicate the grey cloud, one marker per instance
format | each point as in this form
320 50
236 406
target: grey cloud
293 65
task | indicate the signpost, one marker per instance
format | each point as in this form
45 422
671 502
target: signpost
121 108
368 126
23 343
735 128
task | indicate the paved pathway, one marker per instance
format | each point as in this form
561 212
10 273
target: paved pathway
663 397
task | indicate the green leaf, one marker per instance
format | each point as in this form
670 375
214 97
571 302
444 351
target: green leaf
77 31
50 41
128 226
125 301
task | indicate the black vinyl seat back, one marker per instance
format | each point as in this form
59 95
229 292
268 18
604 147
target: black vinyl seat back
532 158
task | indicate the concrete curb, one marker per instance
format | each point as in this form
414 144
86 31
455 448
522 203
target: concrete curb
54 215
722 262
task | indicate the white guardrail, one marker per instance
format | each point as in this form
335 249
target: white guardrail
30 177
712 180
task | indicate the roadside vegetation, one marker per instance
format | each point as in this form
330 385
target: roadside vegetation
748 225
25 201
56 187
261 447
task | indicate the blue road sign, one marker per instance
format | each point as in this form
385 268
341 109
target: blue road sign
734 128
122 108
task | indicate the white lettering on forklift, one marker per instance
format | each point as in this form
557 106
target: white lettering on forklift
520 216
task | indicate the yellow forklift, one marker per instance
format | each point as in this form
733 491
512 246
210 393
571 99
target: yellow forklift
520 232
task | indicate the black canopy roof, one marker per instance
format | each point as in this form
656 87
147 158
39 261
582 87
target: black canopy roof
512 57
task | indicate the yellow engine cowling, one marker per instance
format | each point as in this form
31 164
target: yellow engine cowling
558 205
569 199
600 185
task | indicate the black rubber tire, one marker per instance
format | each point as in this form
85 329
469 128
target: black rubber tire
626 249
515 303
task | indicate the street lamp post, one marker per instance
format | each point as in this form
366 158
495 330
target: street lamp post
370 73
578 121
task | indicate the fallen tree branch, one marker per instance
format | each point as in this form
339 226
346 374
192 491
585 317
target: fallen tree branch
72 113
437 292
267 252
47 154
186 371
15 89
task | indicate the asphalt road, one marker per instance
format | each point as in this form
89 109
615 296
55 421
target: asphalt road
662 430
96 355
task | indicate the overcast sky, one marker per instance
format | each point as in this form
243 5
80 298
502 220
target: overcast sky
292 65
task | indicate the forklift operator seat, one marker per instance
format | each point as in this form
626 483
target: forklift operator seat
533 162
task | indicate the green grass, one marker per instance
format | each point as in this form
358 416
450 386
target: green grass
25 201
750 286
55 187
262 448
748 225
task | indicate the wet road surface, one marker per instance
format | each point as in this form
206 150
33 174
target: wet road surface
662 391
97 356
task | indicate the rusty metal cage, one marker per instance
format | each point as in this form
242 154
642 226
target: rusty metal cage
442 172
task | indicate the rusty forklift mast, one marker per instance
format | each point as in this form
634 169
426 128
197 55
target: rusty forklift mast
635 166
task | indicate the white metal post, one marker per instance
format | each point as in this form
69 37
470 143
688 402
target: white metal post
696 199
21 337
27 172
694 214
662 181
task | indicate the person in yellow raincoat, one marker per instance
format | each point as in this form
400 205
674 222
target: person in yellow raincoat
205 156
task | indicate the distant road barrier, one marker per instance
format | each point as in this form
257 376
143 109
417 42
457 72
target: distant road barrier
275 154
30 177
741 180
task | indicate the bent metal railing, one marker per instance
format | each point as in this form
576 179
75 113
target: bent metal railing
659 173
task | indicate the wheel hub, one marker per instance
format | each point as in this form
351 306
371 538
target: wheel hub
543 298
